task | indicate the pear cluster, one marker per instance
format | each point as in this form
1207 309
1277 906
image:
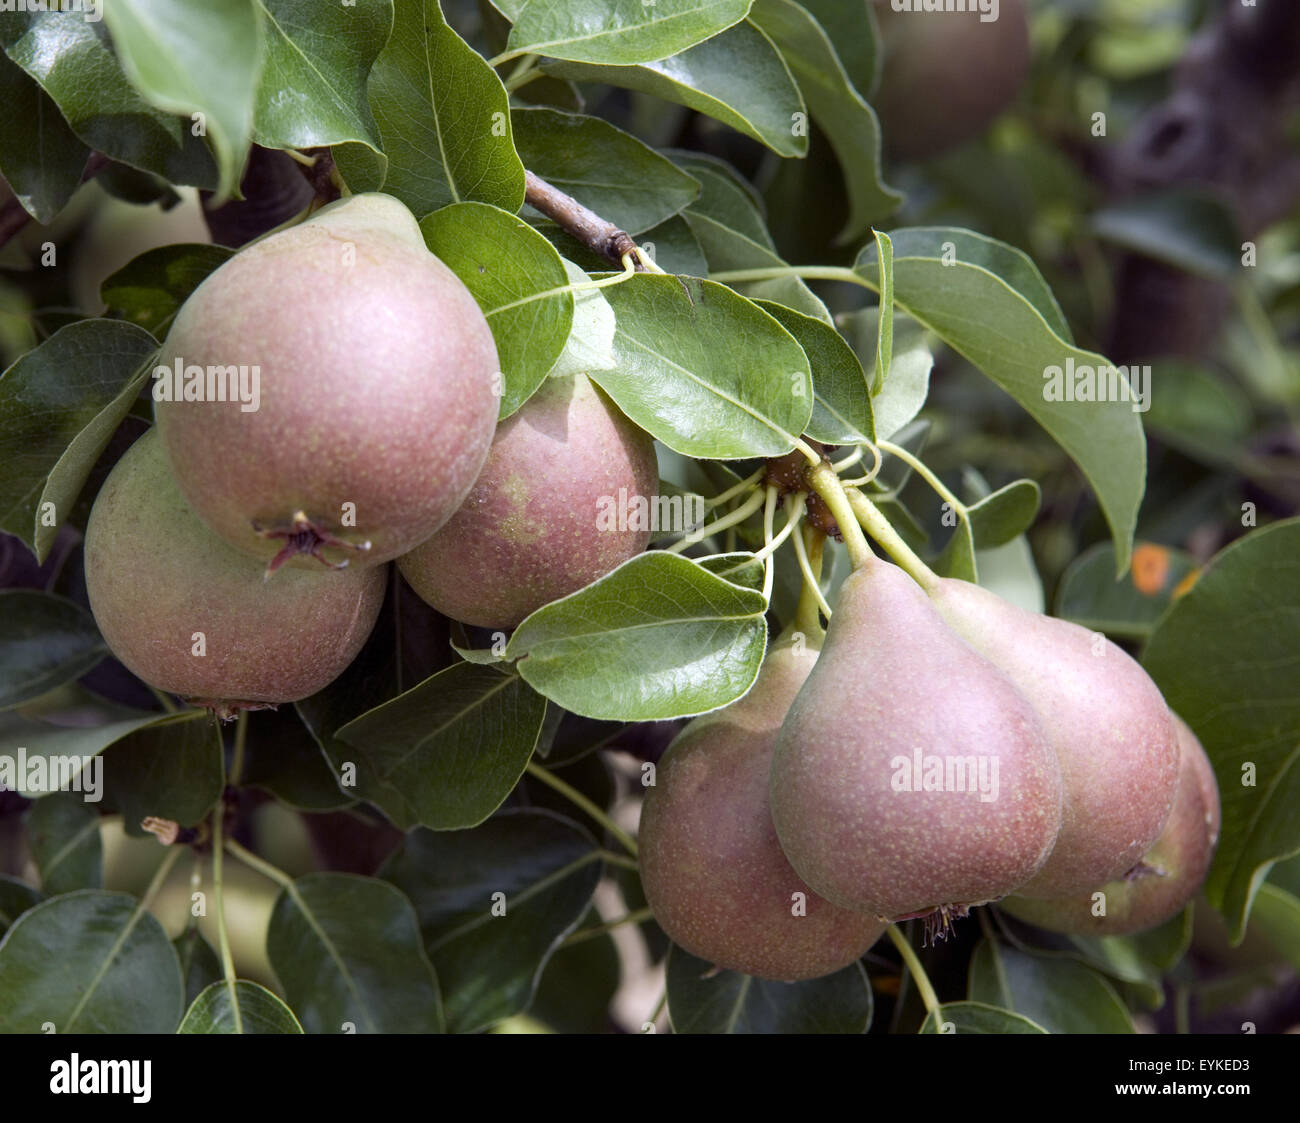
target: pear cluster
325 402
944 749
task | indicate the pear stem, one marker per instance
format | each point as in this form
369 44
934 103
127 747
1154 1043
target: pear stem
579 800
875 524
739 515
736 489
769 521
920 468
808 548
227 960
823 480
637 917
913 963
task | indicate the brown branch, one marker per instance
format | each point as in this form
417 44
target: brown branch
601 237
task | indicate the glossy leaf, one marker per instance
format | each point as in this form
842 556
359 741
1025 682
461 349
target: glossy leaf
590 345
676 376
520 284
1061 995
1239 694
737 77
45 641
150 289
59 405
116 971
623 180
347 951
659 637
252 1009
619 31
40 156
196 57
977 1017
200 967
282 757
494 903
63 836
172 769
446 753
700 1001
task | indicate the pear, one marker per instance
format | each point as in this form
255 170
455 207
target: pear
1169 875
712 868
374 402
190 614
1106 720
910 777
542 519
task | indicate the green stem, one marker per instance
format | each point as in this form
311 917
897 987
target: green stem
769 521
823 480
807 272
167 703
878 527
637 917
523 73
794 507
659 1008
579 800
261 865
806 616
241 739
923 985
156 882
921 469
621 860
739 515
727 496
227 960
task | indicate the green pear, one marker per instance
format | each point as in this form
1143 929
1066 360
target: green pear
1169 875
542 520
910 777
1106 720
190 614
713 871
375 398
947 75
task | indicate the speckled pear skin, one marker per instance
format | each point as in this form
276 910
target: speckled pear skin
529 532
711 865
893 680
1106 720
947 75
377 386
156 575
1167 878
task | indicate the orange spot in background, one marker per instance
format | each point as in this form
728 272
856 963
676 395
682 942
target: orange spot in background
1185 585
1150 569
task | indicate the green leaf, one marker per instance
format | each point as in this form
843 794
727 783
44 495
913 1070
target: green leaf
40 156
57 752
1006 513
45 641
446 753
494 903
958 556
520 283
1276 915
348 953
622 180
196 57
579 984
1225 656
172 769
841 411
150 289
253 1009
677 377
73 60
659 637
59 405
1089 594
907 383
990 305
63 836
116 972
200 967
1188 229
884 312
737 77
318 56
284 758
1061 995
16 897
847 120
619 32
851 26
977 1017
702 1001
673 246
444 118
590 345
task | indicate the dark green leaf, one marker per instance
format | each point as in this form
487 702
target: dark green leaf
977 1017
150 289
40 157
199 964
1187 229
253 1009
283 758
45 641
1090 595
1008 512
63 835
16 897
173 769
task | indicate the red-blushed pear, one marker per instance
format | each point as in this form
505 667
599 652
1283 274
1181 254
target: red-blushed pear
947 75
910 778
192 615
1164 881
545 517
375 400
713 871
1106 721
